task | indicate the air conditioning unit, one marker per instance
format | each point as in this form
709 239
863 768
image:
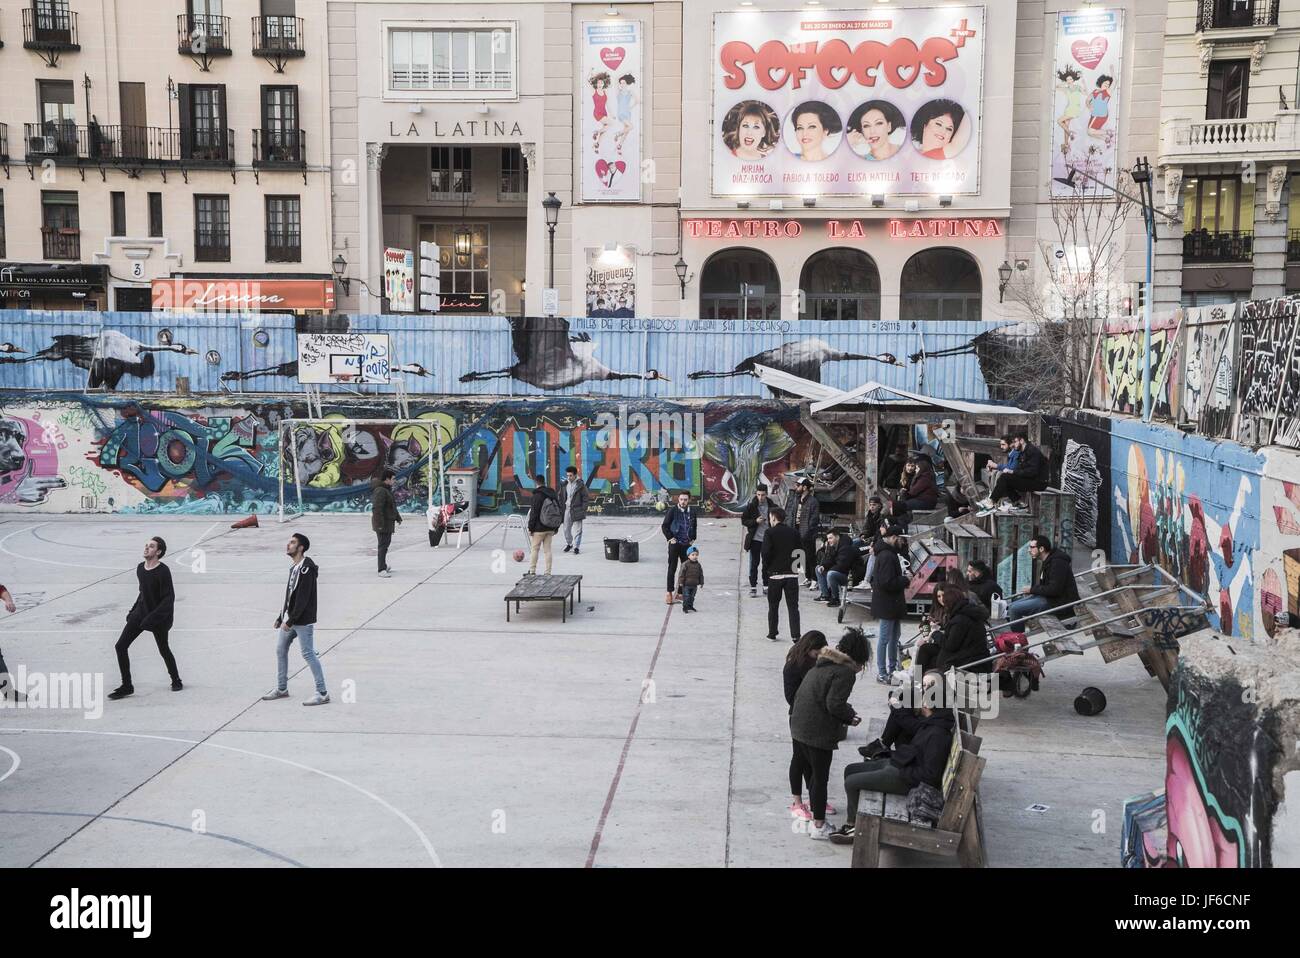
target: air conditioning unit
43 144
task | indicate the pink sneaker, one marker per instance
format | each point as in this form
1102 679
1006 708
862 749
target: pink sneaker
800 810
830 809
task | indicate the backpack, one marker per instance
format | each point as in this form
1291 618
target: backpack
551 516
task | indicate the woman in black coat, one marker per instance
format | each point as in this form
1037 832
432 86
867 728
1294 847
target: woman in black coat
821 709
963 635
798 663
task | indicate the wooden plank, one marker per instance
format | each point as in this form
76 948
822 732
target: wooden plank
896 808
960 796
871 803
919 838
866 842
845 460
970 850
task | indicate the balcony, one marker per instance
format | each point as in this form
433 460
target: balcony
50 30
60 242
1230 246
1293 246
283 247
1236 14
210 247
52 140
202 37
207 145
278 39
279 148
1185 141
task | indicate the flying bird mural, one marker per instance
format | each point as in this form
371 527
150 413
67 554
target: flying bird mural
108 357
803 359
550 358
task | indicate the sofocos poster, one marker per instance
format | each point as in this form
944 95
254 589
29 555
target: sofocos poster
609 104
837 102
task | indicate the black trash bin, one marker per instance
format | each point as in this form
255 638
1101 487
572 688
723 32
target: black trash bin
629 550
611 548
1090 701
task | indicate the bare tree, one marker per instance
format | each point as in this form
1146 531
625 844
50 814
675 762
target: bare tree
1069 293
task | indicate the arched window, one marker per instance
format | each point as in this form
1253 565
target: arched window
840 283
740 284
940 284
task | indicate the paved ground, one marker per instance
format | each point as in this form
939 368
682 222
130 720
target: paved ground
464 740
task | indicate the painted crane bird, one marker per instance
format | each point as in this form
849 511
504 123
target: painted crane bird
1004 354
290 369
108 356
550 358
803 359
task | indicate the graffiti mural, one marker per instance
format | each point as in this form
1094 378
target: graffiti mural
1120 375
1270 369
29 460
1218 798
1208 371
106 357
1279 589
1079 475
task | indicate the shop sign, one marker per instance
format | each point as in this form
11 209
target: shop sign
462 303
458 128
24 277
237 294
959 228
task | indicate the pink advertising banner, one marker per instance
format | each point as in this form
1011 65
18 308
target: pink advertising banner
1085 113
609 104
835 102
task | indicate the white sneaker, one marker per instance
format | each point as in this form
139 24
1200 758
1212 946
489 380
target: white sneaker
814 587
822 833
274 694
317 699
386 574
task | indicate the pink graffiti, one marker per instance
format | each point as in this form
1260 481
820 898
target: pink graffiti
1285 524
29 460
1196 838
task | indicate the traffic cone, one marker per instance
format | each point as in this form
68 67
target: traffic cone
247 523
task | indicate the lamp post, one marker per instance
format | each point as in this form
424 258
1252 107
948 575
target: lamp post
340 267
552 205
1004 279
680 267
1142 177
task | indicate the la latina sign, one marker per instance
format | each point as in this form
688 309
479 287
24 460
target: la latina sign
459 128
961 228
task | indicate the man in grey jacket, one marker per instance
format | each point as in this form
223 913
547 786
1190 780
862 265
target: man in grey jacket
384 517
803 514
575 509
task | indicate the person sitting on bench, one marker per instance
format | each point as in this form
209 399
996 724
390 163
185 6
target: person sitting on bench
1055 586
1030 474
921 759
962 637
982 584
833 571
920 490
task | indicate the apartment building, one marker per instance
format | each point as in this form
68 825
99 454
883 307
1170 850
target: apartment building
165 155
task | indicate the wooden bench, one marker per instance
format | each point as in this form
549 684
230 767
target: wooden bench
883 818
546 588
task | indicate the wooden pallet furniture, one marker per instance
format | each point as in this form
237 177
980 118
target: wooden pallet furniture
546 588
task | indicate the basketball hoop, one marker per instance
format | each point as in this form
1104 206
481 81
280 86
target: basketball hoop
344 379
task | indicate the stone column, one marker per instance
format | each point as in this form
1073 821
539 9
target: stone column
1269 275
372 239
534 234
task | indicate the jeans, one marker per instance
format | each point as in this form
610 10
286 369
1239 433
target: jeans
831 582
819 764
676 553
775 589
878 775
541 540
688 596
133 631
887 635
572 531
755 558
385 539
306 644
1026 605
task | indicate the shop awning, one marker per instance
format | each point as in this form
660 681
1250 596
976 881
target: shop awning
53 276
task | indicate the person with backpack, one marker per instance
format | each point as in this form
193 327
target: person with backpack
679 528
545 516
384 517
820 713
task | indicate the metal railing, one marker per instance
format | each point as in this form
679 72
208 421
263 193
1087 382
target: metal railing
206 144
277 36
1234 14
202 33
1293 246
60 242
211 247
279 147
4 142
282 247
1227 134
1229 246
52 27
51 139
107 143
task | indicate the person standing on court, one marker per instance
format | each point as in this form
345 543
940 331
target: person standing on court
754 519
804 516
152 612
679 529
545 516
779 548
297 619
575 509
5 682
384 517
888 601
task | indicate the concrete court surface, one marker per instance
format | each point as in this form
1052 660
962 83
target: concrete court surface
633 735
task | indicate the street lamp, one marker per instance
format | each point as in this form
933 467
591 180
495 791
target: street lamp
552 205
341 267
1004 279
682 278
1142 177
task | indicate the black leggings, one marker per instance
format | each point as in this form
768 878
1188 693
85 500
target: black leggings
819 764
129 635
879 775
800 773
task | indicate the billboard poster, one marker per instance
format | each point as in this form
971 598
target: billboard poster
1085 106
834 103
611 285
609 104
399 279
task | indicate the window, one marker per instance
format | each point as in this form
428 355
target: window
118 210
940 284
58 118
212 228
514 174
155 214
203 123
283 229
280 140
482 60
1218 219
840 284
740 284
449 172
60 225
464 272
1227 90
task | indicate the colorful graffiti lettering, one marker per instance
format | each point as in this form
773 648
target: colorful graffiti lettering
1121 374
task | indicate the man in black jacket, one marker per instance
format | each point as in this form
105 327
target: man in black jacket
679 530
297 619
754 519
834 572
982 584
1055 587
888 603
545 516
803 513
384 517
779 548
1030 475
152 612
